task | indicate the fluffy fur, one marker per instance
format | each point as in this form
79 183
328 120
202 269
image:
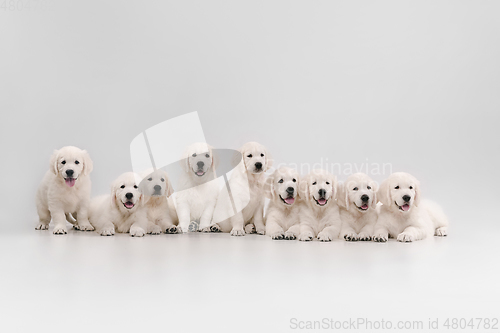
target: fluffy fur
121 211
319 213
282 218
403 215
247 191
196 202
64 190
357 199
157 189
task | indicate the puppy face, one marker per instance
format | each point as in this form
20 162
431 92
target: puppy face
256 157
359 191
70 163
319 188
199 159
284 186
125 192
400 192
156 184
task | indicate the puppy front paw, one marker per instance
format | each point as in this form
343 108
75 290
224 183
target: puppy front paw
42 226
84 226
60 230
173 229
237 232
137 232
306 237
441 232
290 235
351 237
215 228
364 237
250 228
108 231
325 237
380 238
405 237
277 235
154 229
261 231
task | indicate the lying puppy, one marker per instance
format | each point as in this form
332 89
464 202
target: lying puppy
247 191
196 202
123 210
403 215
64 190
319 213
282 218
358 201
157 189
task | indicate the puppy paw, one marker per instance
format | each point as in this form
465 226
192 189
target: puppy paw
60 230
351 237
42 226
405 237
261 231
215 228
364 237
325 237
250 228
137 232
108 231
173 229
277 235
237 232
441 232
84 227
306 237
290 235
380 238
154 229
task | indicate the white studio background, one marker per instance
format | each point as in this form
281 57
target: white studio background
411 83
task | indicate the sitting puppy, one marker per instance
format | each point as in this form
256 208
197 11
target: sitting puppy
282 218
402 213
157 189
64 190
196 202
319 213
357 200
247 193
123 210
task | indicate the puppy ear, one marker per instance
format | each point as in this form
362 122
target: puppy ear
384 193
269 187
335 187
374 187
269 160
215 159
170 190
343 195
88 165
417 193
53 162
304 192
113 194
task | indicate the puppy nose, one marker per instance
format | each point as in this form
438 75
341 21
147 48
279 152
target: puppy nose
258 165
290 190
129 195
200 164
406 198
157 188
365 198
322 193
69 173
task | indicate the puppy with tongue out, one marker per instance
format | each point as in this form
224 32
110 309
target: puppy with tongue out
319 213
282 218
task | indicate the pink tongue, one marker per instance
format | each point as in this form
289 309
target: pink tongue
200 173
322 201
405 207
70 182
289 200
364 206
128 204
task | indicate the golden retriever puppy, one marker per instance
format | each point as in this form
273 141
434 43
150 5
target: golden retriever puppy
196 202
247 193
64 190
157 189
319 213
357 199
121 211
282 218
403 215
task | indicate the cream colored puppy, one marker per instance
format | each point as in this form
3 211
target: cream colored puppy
121 211
282 218
157 189
247 193
357 199
403 214
319 212
64 190
196 202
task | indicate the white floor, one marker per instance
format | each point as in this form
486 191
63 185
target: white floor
214 282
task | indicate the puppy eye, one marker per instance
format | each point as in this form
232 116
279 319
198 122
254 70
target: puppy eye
150 179
314 183
123 186
327 183
355 189
135 186
249 155
369 187
397 187
280 181
194 155
207 156
77 162
294 180
63 162
162 180
411 187
262 155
